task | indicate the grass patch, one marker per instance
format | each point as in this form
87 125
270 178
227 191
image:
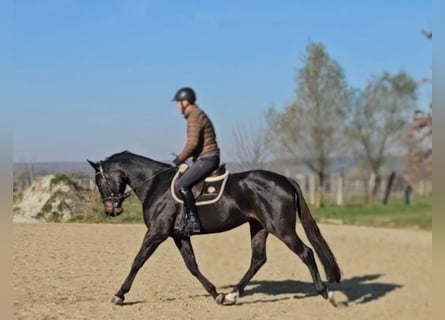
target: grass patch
395 215
132 213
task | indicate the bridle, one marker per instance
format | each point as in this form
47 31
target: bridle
115 199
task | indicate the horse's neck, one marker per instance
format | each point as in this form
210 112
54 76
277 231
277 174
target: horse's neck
140 177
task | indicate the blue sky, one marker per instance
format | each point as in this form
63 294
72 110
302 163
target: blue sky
91 78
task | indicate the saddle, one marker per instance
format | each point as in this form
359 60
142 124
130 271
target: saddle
206 191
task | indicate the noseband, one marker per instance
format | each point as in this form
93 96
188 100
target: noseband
115 199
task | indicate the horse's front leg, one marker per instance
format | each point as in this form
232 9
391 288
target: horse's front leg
185 247
152 240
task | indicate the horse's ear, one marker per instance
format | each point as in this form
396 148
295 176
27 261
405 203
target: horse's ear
95 165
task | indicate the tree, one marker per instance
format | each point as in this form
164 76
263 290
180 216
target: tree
311 127
419 140
378 119
23 178
250 145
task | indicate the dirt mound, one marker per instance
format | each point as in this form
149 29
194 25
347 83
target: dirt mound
50 198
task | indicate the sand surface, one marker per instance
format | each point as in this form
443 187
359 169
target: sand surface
71 271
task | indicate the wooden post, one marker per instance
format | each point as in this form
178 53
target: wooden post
408 190
371 185
339 190
312 189
388 187
422 187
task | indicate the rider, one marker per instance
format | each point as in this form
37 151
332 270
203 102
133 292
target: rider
201 146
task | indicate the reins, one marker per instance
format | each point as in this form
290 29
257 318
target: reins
122 196
150 178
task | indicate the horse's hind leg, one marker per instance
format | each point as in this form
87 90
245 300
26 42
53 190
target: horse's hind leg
185 247
258 236
306 254
150 243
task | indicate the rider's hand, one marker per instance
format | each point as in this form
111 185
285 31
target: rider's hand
176 161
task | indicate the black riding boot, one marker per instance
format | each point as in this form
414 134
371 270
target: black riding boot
192 224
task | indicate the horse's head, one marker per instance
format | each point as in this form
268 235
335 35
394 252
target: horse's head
111 185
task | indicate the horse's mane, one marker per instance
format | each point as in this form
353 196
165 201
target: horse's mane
126 155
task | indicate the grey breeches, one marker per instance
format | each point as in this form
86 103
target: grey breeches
199 170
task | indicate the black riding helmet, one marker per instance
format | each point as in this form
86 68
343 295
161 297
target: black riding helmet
185 94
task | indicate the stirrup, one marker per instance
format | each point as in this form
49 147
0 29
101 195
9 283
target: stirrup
180 226
191 226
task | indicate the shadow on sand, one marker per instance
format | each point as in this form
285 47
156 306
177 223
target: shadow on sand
358 290
131 303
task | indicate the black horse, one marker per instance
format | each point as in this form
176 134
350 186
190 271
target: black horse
266 200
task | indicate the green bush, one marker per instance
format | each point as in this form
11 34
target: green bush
63 179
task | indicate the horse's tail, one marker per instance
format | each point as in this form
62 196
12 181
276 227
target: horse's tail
320 245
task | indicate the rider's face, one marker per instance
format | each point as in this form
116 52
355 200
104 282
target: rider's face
182 105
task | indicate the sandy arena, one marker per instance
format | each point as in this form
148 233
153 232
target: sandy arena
71 271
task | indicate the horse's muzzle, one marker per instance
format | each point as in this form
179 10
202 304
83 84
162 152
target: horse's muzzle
112 210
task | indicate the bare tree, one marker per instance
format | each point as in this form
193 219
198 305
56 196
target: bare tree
419 140
250 145
23 178
312 126
379 116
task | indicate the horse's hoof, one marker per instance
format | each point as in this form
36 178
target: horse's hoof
227 299
220 298
231 298
331 298
117 301
324 293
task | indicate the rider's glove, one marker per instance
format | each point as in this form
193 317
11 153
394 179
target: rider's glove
177 162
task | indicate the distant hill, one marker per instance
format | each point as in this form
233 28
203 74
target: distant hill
40 168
